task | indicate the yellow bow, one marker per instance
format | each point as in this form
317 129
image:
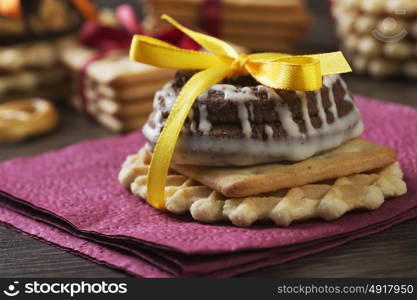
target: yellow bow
275 70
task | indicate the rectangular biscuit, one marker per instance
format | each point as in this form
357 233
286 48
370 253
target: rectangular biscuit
353 157
328 201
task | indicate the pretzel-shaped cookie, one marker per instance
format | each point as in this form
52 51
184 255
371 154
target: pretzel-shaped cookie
23 118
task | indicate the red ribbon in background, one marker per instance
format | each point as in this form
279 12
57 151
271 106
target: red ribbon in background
106 38
102 37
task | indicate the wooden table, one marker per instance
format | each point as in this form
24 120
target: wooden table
392 253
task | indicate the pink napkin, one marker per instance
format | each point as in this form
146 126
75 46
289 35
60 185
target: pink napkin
71 198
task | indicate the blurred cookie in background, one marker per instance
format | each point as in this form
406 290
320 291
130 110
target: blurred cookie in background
257 25
30 34
379 36
24 20
106 84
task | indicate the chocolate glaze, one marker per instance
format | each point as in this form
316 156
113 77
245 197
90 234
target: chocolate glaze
224 118
31 14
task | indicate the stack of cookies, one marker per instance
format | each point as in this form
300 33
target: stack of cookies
258 25
380 36
32 69
250 153
112 89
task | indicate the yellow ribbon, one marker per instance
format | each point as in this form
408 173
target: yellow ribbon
275 70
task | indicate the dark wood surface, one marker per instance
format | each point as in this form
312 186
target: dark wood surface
392 253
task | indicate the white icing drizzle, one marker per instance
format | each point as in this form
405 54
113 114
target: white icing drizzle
311 131
204 125
287 121
348 96
242 112
200 150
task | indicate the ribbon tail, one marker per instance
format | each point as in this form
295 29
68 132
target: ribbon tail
332 63
126 15
296 73
10 8
165 146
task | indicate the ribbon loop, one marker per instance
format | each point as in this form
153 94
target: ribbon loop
292 72
275 70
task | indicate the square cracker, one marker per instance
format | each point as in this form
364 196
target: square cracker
353 157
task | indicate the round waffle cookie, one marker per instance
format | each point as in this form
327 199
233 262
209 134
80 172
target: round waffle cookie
375 175
240 122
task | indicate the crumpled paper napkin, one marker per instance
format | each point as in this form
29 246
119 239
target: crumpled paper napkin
71 198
